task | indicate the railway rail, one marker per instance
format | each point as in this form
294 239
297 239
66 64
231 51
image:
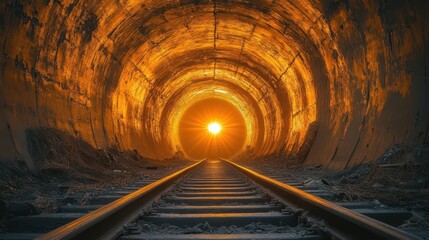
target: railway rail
219 199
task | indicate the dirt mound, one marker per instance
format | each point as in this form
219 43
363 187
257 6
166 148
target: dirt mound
51 148
56 153
67 166
399 167
60 157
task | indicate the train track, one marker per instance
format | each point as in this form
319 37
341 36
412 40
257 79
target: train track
218 199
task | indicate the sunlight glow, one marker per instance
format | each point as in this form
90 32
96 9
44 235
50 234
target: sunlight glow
214 128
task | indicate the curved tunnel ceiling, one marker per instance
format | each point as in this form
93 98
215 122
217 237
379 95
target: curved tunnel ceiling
316 80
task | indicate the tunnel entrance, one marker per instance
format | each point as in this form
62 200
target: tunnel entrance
331 95
212 128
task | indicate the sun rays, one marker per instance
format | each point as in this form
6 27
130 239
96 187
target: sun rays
212 128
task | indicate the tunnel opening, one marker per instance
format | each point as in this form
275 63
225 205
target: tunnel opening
227 125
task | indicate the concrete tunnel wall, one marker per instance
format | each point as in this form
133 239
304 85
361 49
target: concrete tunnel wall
331 82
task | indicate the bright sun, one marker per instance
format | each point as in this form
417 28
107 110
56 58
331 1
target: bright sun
214 128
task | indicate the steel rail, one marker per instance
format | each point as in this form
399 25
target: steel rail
346 224
108 221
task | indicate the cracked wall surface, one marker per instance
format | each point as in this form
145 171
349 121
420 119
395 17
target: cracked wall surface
332 82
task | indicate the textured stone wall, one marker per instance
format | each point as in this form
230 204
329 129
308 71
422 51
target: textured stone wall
379 88
334 82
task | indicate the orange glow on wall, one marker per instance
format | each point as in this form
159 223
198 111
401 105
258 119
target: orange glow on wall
212 128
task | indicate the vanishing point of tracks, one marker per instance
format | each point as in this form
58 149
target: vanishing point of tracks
218 199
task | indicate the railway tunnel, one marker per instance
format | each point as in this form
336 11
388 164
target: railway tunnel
332 84
329 82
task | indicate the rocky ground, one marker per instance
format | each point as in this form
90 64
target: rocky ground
68 169
399 178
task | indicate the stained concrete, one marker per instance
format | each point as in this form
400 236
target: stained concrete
121 73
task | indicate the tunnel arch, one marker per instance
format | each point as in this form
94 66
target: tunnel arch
252 115
322 79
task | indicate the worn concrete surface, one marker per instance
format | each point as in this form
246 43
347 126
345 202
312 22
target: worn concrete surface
334 82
